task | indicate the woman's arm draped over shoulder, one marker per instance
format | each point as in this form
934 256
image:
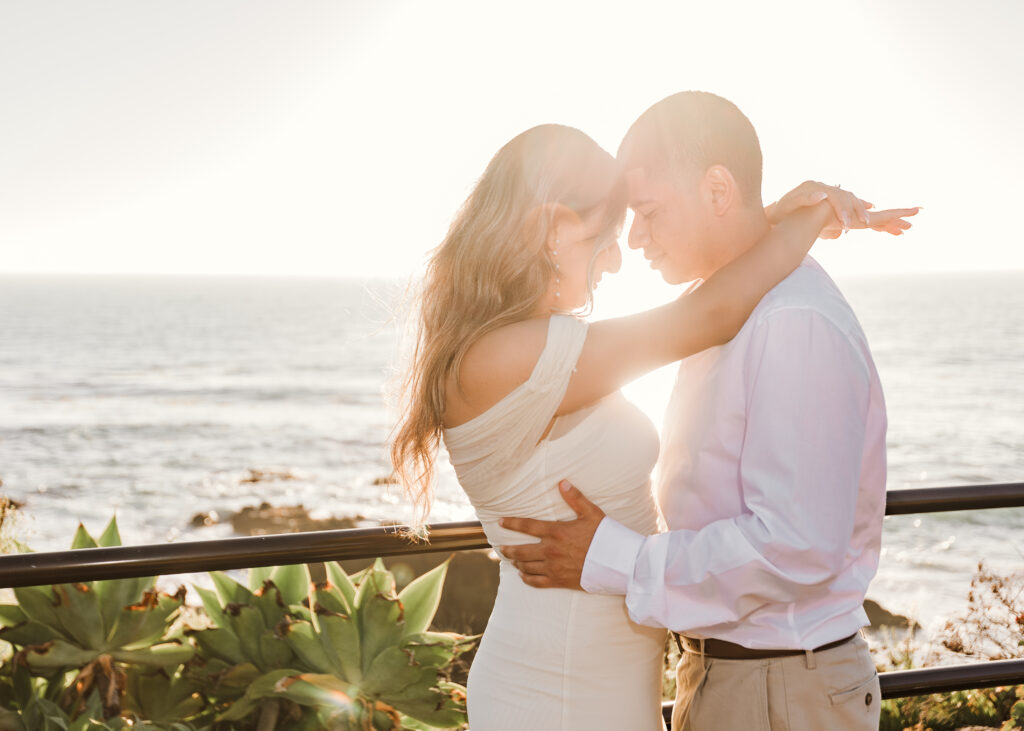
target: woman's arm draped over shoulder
622 349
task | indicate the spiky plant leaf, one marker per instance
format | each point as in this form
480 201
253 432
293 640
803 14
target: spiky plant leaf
343 583
270 602
306 645
141 624
219 642
79 612
160 698
110 536
379 615
394 670
292 581
212 606
82 539
443 706
38 602
421 597
262 687
229 590
166 654
28 633
247 625
257 575
11 614
57 655
339 637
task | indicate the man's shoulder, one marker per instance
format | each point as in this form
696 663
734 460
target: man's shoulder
809 289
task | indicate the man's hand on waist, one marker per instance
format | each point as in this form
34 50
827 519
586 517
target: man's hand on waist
557 561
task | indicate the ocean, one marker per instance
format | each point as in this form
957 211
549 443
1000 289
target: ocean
153 397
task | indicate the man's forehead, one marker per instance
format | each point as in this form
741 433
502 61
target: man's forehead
639 185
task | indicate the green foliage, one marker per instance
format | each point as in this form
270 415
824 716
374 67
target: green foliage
273 653
992 707
99 628
364 658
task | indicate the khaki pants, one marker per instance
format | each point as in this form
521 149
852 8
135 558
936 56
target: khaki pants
832 690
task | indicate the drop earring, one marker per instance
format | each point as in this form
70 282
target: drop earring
557 280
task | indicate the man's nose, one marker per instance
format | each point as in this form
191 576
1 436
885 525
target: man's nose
637 233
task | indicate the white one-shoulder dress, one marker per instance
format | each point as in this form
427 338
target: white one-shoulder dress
558 658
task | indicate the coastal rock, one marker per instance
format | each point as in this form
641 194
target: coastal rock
266 519
881 617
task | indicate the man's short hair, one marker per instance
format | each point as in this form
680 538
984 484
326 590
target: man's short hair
698 129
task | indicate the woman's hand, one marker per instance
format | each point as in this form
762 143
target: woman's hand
848 210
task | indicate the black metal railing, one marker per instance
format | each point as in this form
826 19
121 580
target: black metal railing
90 564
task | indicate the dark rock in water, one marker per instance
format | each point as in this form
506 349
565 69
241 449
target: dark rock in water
881 617
201 520
389 480
267 475
266 519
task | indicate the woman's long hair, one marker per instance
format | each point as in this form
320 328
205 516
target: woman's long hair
492 269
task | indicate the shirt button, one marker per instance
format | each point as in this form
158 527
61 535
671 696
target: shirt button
867 700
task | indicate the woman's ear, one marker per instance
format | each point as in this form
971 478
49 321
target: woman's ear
721 189
555 220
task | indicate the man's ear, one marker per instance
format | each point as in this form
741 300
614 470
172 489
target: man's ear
721 189
550 218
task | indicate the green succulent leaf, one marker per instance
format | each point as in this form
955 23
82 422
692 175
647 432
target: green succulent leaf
162 699
111 536
116 594
316 689
262 687
167 654
11 614
443 706
219 642
38 602
292 581
394 670
269 601
79 613
229 590
342 582
82 539
144 623
211 603
57 655
257 575
274 651
380 615
339 637
306 645
247 624
421 598
29 633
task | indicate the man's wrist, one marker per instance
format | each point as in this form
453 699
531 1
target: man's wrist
608 567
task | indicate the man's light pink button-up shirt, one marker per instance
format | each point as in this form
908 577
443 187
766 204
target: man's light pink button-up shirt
771 481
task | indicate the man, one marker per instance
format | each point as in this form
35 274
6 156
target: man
771 477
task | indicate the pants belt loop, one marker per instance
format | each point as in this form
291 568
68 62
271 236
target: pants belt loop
703 655
810 660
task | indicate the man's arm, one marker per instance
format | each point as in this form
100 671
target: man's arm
808 392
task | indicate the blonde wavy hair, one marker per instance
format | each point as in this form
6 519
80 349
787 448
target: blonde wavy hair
493 269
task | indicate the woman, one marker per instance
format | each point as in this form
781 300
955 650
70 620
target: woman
525 393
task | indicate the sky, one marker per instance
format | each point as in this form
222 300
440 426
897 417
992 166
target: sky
338 138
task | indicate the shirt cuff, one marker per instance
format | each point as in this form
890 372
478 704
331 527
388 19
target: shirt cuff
608 568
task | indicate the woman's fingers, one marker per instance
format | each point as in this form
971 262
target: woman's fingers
837 200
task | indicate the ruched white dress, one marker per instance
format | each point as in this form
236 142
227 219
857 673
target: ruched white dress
557 658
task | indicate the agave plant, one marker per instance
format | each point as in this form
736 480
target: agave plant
98 628
245 642
369 661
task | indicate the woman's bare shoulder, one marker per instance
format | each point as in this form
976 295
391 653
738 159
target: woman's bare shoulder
493 367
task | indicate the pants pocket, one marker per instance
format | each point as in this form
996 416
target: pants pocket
866 691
